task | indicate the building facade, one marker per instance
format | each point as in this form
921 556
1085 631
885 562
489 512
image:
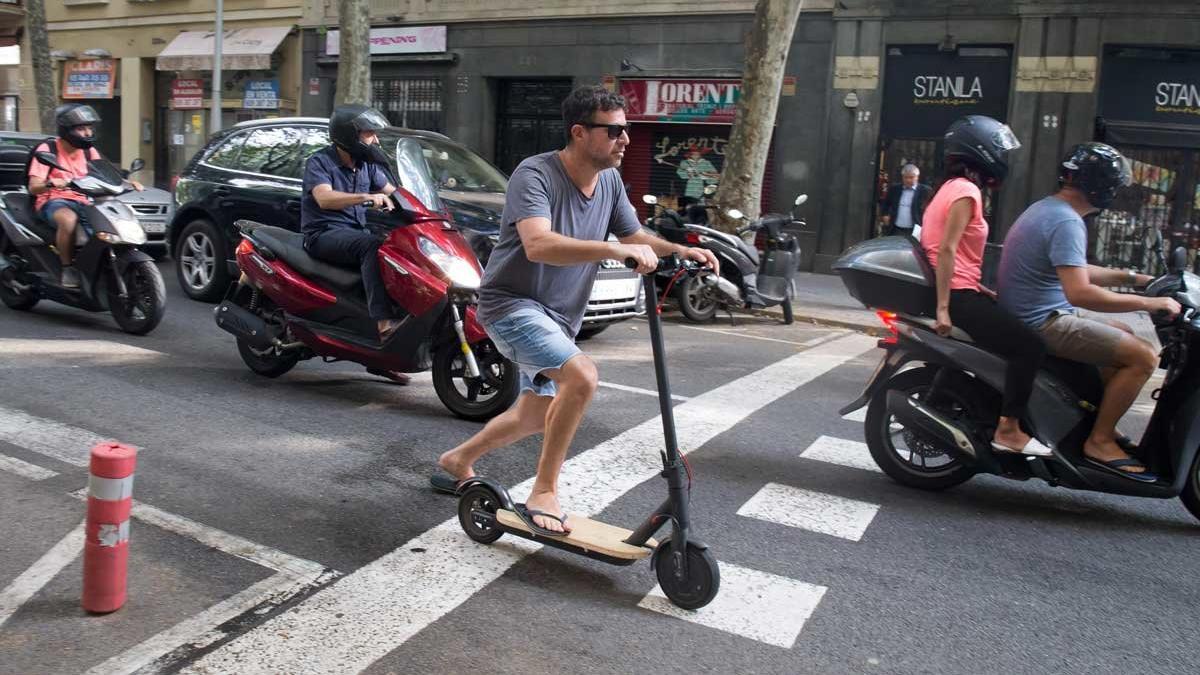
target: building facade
146 66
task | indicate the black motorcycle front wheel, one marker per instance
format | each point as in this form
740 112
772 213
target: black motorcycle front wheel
478 399
145 301
907 456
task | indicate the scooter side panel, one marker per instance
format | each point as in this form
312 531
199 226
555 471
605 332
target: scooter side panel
1184 438
410 286
292 292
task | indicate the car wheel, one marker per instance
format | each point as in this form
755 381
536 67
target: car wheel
200 261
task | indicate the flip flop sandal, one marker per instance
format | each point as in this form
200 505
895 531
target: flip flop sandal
526 515
1033 448
1116 466
446 484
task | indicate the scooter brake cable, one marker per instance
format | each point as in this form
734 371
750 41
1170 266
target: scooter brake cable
667 290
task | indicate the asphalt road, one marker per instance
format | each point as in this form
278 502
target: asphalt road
286 525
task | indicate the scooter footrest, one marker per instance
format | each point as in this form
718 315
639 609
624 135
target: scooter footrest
587 535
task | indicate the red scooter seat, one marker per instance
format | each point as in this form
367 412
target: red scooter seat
288 246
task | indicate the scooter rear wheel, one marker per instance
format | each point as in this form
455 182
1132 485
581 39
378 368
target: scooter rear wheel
17 299
267 363
698 587
478 499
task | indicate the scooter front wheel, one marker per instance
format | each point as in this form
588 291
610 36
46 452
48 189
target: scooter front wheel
145 301
698 586
477 512
478 399
695 301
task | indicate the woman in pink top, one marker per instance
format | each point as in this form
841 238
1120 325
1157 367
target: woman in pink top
953 236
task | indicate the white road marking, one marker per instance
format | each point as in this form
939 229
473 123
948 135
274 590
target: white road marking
859 415
364 616
639 390
232 544
805 343
49 347
46 568
201 630
854 454
756 605
810 510
25 469
46 437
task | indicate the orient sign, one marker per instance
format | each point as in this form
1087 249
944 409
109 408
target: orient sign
1151 86
691 101
924 91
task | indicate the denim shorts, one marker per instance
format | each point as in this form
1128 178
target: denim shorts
531 339
53 205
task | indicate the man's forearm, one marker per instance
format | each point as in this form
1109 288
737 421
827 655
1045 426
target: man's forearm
551 248
336 201
1104 276
1102 300
662 247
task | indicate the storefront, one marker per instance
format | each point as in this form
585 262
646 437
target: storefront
678 139
1150 110
925 90
408 65
250 77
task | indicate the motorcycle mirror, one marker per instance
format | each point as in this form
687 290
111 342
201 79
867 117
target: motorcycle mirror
801 199
48 159
710 190
735 214
1178 259
649 199
137 165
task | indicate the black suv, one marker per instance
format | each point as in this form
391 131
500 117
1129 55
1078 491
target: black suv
255 169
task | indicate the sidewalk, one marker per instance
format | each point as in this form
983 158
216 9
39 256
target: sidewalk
822 299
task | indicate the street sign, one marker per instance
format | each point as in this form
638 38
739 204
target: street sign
261 94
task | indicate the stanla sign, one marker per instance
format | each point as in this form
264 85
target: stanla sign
690 101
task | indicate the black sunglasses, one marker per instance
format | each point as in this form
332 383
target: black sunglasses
614 130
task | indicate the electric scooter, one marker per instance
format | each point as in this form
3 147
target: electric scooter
686 571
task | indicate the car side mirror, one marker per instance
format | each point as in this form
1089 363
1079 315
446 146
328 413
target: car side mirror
48 159
649 199
137 165
735 214
1178 259
801 199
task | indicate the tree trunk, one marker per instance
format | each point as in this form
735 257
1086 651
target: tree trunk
767 48
354 57
43 67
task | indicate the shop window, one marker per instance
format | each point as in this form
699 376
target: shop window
224 156
410 102
272 151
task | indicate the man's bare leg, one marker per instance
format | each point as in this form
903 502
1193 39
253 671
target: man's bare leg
65 220
576 381
524 419
1138 361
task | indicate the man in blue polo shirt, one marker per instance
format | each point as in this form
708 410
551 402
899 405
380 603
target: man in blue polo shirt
337 182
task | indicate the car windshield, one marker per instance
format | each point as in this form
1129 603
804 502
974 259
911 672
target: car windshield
454 167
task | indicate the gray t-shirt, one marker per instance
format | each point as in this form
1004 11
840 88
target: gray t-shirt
1048 235
540 187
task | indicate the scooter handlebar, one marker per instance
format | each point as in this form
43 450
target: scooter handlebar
671 263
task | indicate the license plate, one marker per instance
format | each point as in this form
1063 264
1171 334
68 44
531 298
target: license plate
613 289
153 228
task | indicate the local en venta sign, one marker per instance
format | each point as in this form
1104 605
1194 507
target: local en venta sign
187 94
261 95
1162 87
924 92
708 101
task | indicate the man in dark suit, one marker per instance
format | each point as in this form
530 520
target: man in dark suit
905 203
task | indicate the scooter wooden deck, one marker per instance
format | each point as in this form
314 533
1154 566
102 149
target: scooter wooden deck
587 534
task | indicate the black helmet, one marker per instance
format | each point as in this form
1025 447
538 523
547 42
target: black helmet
74 115
1097 170
347 121
981 143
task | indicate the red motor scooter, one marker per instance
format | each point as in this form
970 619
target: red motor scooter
288 306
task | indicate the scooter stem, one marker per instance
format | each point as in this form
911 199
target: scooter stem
660 373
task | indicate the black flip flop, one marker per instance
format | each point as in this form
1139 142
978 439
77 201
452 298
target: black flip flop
1116 466
526 515
446 484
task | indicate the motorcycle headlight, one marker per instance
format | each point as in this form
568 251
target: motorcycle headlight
127 232
459 271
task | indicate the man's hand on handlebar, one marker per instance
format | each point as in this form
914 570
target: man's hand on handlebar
378 200
1163 308
704 257
643 255
59 183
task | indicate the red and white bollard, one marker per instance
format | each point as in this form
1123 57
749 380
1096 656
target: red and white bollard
106 543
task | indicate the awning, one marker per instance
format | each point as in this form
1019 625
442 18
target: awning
242 49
